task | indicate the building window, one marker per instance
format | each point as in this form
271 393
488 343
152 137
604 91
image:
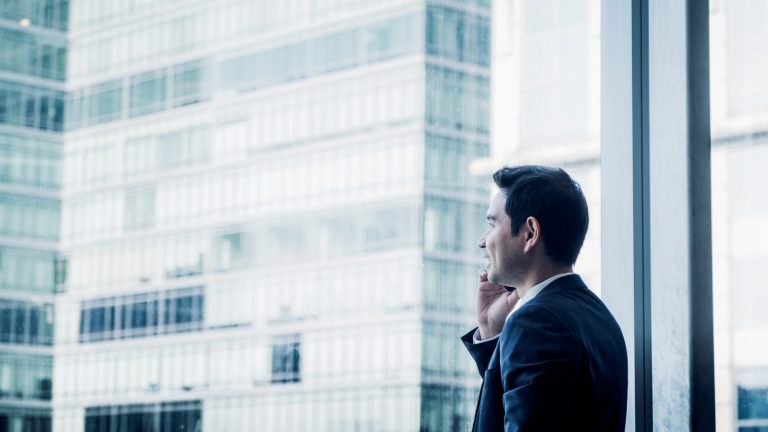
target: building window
30 106
138 318
753 403
60 271
26 270
286 360
147 93
174 311
752 399
191 83
105 102
25 323
139 209
228 251
183 313
27 419
458 36
162 417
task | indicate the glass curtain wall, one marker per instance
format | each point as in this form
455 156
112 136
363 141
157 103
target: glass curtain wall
33 57
268 215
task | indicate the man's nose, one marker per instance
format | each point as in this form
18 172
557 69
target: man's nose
481 242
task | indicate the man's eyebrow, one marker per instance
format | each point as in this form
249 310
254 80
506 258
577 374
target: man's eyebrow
490 217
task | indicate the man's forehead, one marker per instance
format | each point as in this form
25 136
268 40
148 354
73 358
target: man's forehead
496 207
498 199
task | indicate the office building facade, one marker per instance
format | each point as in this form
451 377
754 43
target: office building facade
267 220
33 55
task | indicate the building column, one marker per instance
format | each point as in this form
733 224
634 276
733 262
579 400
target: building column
656 213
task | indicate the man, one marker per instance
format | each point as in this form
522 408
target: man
558 360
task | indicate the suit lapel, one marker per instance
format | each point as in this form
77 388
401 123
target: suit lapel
495 367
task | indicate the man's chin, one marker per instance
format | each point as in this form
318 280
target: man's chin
496 278
492 276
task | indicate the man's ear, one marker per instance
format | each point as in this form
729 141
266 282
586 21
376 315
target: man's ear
532 233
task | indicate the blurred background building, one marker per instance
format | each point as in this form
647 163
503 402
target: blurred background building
261 215
739 116
267 220
546 99
33 56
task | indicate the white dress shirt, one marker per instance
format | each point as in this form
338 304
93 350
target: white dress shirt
535 290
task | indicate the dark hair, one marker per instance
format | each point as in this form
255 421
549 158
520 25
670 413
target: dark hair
554 199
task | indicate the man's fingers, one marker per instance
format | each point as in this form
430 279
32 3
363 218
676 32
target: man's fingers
483 275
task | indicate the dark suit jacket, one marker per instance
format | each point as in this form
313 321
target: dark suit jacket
560 364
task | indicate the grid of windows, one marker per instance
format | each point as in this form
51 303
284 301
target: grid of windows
104 102
457 118
445 358
25 419
309 239
173 149
26 323
314 57
29 161
445 287
31 106
147 93
25 377
26 270
190 82
32 54
347 108
53 14
160 417
457 100
445 229
241 360
33 62
458 36
390 407
204 26
164 312
446 163
298 206
139 208
28 217
447 408
249 192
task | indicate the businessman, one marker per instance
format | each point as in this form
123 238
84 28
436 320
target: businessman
551 355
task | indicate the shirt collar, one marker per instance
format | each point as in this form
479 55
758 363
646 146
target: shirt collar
535 290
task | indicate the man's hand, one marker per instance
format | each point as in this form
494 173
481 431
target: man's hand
494 303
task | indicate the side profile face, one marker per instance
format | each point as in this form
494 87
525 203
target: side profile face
505 252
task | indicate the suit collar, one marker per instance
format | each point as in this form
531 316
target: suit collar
571 281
